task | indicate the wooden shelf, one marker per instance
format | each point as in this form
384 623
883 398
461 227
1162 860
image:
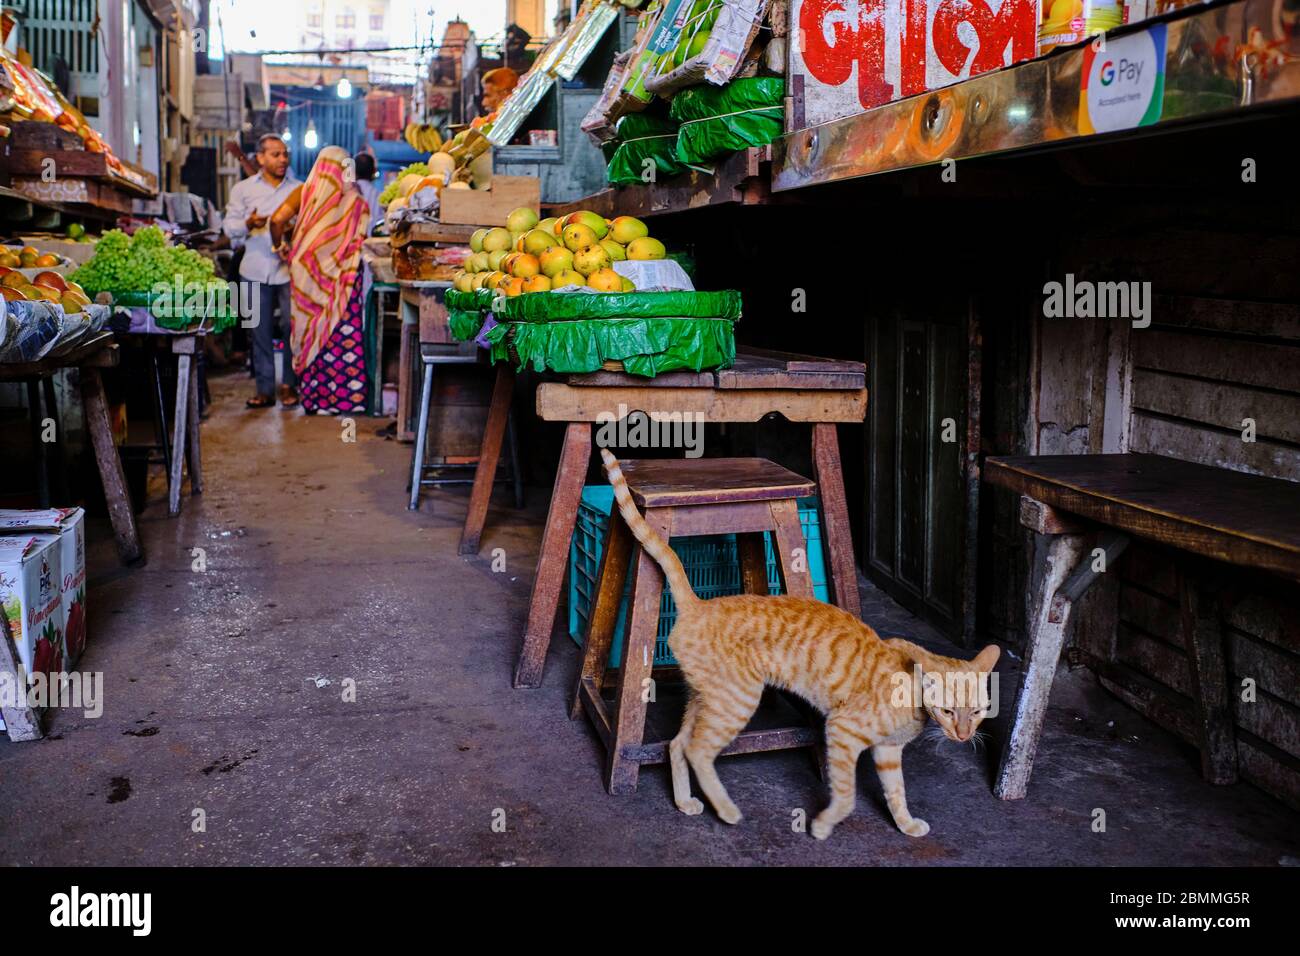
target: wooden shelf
741 178
1222 63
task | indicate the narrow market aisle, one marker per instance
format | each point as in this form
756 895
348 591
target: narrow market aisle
224 680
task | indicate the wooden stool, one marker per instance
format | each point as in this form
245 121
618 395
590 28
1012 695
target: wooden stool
682 498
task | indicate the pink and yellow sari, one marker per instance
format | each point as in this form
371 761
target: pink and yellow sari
324 268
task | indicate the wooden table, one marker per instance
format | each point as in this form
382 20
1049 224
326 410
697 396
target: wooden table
90 357
1074 501
820 392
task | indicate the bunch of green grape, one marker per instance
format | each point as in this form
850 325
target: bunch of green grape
390 191
138 263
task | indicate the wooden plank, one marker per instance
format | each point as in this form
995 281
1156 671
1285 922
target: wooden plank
1044 519
449 232
787 538
828 469
1055 557
665 482
1220 514
99 352
1155 659
611 576
1203 638
628 723
746 742
740 178
1269 771
120 512
1221 404
1220 359
65 162
796 362
1274 672
1159 705
553 556
180 424
1150 568
1159 436
1271 620
1270 720
566 403
1278 320
21 722
1151 614
605 379
494 431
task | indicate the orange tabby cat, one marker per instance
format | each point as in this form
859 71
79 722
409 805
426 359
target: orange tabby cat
730 648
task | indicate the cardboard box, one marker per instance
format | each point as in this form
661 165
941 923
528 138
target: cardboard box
31 600
69 525
490 207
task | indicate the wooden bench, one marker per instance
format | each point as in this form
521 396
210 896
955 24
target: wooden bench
683 498
1085 509
801 388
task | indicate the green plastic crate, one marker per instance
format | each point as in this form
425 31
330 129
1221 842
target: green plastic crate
711 565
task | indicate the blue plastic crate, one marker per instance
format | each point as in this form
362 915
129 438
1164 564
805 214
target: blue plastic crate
711 565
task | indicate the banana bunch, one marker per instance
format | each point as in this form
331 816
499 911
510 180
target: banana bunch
423 137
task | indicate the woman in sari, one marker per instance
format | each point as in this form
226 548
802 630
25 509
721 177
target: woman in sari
325 271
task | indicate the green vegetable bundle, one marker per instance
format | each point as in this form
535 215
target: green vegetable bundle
646 347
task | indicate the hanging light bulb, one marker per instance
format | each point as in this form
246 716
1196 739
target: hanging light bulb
344 89
309 138
288 135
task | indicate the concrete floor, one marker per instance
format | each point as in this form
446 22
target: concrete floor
317 572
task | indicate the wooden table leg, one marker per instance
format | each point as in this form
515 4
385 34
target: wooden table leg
180 422
1203 637
753 562
489 454
194 449
1055 556
610 580
120 511
628 724
60 459
40 448
787 537
829 474
554 555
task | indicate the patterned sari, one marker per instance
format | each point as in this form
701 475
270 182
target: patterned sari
324 268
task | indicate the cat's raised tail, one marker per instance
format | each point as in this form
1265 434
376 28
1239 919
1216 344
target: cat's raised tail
655 546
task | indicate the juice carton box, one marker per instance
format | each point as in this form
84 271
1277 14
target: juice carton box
70 526
31 600
1073 21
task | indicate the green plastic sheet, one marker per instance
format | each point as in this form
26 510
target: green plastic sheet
646 347
644 137
466 312
216 315
719 120
569 306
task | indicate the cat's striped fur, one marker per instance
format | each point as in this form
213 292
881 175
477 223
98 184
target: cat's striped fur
730 648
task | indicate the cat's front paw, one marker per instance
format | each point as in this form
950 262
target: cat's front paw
730 814
691 807
915 828
821 829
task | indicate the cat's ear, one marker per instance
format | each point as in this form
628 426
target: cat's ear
986 658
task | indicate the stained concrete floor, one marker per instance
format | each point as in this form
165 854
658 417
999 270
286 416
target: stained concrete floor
223 693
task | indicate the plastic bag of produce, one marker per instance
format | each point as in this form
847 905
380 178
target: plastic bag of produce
645 347
35 330
655 275
646 142
543 307
711 40
718 121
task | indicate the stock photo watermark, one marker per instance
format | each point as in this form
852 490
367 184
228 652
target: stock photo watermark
638 429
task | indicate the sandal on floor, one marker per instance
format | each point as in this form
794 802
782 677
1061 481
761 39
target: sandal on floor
288 397
260 401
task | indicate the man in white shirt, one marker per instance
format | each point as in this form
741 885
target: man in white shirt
252 202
